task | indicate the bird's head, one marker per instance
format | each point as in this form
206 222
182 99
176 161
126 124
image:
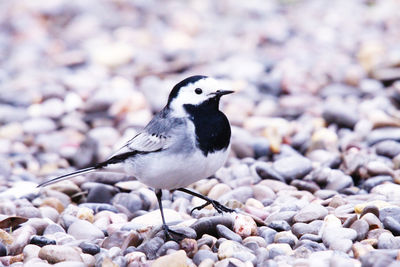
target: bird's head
195 91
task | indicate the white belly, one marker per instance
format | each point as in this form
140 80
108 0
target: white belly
161 170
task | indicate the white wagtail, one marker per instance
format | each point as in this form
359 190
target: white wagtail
188 140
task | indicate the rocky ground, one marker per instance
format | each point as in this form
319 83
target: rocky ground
314 169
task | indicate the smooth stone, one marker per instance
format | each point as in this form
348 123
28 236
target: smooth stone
97 207
56 253
310 245
154 218
3 250
392 211
268 234
240 194
376 180
341 115
293 167
21 238
151 247
100 194
370 209
309 186
266 171
82 229
203 254
41 241
128 200
89 248
255 239
175 259
392 225
279 249
262 192
331 234
311 212
362 228
244 225
343 245
225 232
167 246
38 125
390 190
207 225
286 237
325 193
337 180
53 228
231 249
122 239
388 148
372 221
388 241
279 225
312 237
382 134
300 229
376 259
31 252
281 216
49 212
218 191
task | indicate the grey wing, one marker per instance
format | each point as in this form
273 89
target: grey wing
157 135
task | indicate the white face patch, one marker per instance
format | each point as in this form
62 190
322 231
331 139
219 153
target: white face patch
188 95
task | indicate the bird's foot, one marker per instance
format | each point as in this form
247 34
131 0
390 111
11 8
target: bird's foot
217 206
172 235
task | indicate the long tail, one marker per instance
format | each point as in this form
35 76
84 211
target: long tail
68 176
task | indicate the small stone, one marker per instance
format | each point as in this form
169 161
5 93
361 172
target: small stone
208 225
390 191
388 148
293 167
218 190
89 248
128 200
189 246
376 180
392 225
372 221
56 253
54 203
284 249
331 234
268 234
100 193
97 207
81 229
342 115
38 126
41 241
203 254
341 245
3 250
266 171
175 259
311 212
244 226
53 228
85 214
231 249
362 228
167 246
225 232
388 241
151 247
279 225
21 238
31 252
286 237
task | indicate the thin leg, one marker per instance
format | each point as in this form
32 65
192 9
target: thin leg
218 206
167 231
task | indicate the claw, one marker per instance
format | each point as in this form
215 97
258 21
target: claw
169 234
217 206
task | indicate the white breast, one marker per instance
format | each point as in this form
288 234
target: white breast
165 170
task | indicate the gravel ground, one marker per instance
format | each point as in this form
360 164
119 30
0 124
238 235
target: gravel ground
314 169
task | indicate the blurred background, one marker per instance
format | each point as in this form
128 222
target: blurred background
78 78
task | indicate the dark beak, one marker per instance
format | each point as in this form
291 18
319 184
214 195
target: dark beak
223 92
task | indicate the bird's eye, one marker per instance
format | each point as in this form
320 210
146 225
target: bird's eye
198 91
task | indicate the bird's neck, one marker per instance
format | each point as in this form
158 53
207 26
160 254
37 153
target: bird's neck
206 108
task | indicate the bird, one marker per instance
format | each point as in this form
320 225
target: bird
188 140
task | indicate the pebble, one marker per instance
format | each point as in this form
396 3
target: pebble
3 250
231 249
82 229
225 232
89 248
56 253
392 225
311 212
293 167
362 228
100 194
176 259
203 254
131 202
41 241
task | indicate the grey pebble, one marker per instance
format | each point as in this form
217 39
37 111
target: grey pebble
267 233
392 211
266 171
312 237
41 241
382 134
388 148
361 227
89 248
166 246
311 212
310 245
240 194
53 228
293 167
203 254
279 226
376 180
281 215
392 225
128 200
100 193
309 186
208 225
223 231
81 229
97 207
3 250
151 247
388 241
342 115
